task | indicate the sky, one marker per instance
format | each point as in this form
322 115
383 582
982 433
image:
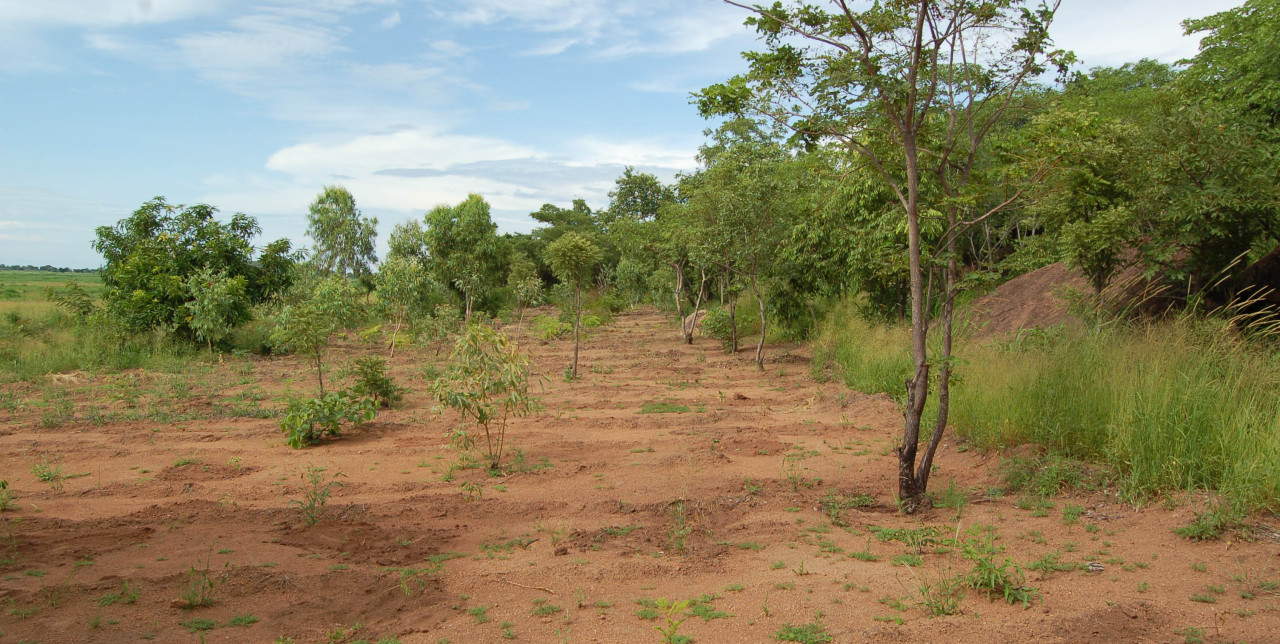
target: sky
255 106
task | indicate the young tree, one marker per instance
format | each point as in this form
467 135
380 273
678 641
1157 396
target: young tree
574 259
400 283
217 301
486 382
525 285
914 87
344 240
316 312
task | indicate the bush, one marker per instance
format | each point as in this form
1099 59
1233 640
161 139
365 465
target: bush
549 328
308 422
716 324
372 381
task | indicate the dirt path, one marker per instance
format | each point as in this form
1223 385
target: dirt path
750 473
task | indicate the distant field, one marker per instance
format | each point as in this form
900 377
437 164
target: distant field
23 291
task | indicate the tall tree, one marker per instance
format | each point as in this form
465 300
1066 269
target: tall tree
914 87
466 253
344 240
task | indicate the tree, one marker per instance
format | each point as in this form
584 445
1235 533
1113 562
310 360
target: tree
400 283
217 301
315 312
344 240
487 382
574 259
638 196
526 287
465 250
151 255
914 87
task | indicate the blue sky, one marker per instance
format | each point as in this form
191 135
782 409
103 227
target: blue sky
254 106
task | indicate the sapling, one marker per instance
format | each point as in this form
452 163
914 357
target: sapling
573 259
486 382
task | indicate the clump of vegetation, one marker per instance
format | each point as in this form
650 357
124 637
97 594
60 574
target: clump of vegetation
1213 522
487 382
372 381
307 422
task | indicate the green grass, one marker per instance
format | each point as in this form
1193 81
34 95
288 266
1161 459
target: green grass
663 408
1184 404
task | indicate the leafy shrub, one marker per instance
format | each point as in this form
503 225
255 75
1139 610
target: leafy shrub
591 321
309 421
372 381
716 324
549 328
72 299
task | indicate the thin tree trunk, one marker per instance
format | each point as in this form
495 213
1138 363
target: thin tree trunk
679 269
764 324
733 325
394 333
692 322
911 495
320 373
577 323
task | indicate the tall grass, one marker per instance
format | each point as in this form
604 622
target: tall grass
1182 404
55 344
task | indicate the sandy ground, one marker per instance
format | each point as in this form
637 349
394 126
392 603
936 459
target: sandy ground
180 484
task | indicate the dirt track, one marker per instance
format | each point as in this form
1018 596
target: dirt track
588 526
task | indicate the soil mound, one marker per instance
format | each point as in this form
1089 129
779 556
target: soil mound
1038 299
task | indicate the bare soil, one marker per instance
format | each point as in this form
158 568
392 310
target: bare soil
609 506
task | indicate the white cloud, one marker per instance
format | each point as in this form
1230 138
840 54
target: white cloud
1108 33
593 151
258 43
409 148
391 20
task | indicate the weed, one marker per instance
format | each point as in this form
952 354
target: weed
663 407
1071 514
542 608
47 472
680 528
672 614
7 496
127 595
243 620
751 487
316 495
942 597
199 590
1204 599
1210 524
199 625
811 633
480 614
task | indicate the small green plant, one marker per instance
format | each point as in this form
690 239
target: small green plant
127 595
371 381
7 496
673 616
49 472
480 614
811 633
243 620
680 528
1210 524
664 407
942 597
487 382
1071 514
472 490
200 588
316 493
309 421
542 608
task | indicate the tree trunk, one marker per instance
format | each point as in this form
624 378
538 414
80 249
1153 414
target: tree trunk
394 333
911 492
577 323
764 325
687 326
679 269
320 373
733 325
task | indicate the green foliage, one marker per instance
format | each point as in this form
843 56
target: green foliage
717 325
151 255
314 313
549 328
317 488
811 633
524 283
308 422
217 302
487 383
372 381
673 616
7 496
466 255
71 298
1212 523
404 292
344 240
